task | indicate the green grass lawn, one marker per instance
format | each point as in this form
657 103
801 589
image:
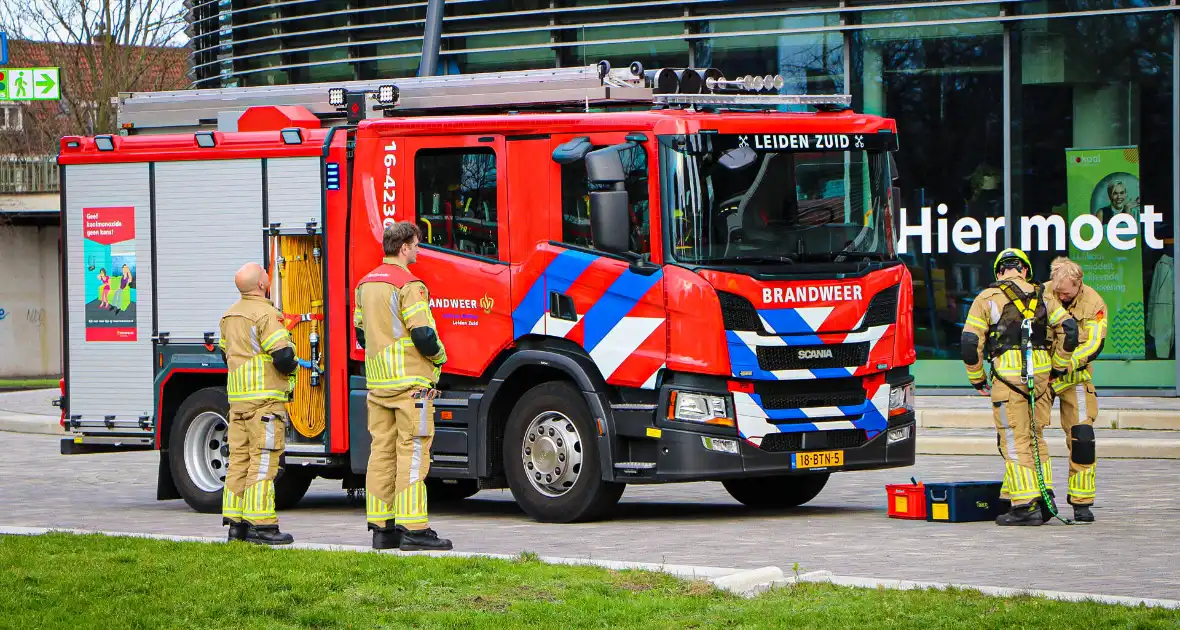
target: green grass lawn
68 581
28 383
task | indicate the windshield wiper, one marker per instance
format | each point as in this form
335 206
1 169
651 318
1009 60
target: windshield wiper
757 259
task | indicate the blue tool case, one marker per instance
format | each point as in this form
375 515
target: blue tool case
964 501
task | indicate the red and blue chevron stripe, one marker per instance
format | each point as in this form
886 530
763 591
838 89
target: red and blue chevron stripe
620 318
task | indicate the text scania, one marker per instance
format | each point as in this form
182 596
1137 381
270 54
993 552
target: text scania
817 353
1085 233
830 293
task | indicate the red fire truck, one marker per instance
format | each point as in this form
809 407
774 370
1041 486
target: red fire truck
640 276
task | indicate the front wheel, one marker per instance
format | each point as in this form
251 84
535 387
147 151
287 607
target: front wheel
551 457
786 491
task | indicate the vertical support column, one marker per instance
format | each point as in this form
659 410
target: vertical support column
1175 168
1009 219
431 38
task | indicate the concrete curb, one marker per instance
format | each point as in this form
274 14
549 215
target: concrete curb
1108 448
995 591
28 423
1107 419
746 583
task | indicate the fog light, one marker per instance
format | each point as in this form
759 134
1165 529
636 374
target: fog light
336 97
720 445
899 434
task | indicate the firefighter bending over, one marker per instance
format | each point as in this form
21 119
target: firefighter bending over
1006 316
403 361
1075 387
261 359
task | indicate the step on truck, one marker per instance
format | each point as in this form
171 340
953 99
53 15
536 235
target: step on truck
641 276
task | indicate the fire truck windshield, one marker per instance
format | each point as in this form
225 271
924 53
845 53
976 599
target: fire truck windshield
774 199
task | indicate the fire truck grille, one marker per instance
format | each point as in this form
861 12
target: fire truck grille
883 308
771 358
792 442
737 313
827 392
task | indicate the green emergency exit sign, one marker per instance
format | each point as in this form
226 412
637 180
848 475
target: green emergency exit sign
30 84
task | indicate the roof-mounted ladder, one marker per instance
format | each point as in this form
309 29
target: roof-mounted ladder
568 89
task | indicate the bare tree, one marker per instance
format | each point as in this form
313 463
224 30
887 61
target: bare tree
103 47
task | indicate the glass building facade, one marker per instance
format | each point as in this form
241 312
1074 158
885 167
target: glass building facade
1050 125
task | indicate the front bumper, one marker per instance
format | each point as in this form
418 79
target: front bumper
682 455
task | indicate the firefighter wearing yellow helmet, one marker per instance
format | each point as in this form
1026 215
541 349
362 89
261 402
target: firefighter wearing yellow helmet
1003 318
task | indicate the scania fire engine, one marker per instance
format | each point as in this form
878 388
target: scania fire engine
641 276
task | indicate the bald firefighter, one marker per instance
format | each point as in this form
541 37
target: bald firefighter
261 360
1074 386
403 361
1004 319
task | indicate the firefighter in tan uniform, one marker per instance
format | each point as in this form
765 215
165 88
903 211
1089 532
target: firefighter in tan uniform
1001 318
261 359
403 361
1074 386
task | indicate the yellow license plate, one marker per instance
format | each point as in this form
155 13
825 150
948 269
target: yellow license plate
819 459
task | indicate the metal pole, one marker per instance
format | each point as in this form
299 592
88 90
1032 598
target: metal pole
431 39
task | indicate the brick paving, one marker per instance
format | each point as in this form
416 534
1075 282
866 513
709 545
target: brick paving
1131 550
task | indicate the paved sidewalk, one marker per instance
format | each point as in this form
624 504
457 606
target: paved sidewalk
1130 551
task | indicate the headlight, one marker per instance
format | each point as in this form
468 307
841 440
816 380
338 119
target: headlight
702 408
901 399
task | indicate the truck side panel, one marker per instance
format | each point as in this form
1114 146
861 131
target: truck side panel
293 191
109 353
202 240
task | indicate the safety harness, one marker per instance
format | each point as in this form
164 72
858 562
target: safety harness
1026 342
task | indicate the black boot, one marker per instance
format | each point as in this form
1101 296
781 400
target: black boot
1082 514
268 535
1023 515
422 540
237 529
1046 515
386 537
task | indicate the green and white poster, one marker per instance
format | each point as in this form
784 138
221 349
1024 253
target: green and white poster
1104 183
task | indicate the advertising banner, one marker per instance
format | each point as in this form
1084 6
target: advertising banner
1104 183
108 249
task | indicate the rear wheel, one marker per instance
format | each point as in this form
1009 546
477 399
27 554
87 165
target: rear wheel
198 449
551 457
786 491
198 455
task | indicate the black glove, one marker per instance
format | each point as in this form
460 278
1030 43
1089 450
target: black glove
1057 373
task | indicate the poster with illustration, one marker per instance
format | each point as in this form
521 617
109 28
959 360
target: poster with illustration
108 249
1105 183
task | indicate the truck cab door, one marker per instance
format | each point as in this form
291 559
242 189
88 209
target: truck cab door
610 308
457 192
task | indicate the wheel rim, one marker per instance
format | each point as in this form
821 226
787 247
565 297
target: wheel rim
206 451
552 453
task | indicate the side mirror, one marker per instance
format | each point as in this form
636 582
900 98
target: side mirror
893 172
610 220
572 151
605 166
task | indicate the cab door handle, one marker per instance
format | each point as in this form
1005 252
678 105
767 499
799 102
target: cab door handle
561 306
